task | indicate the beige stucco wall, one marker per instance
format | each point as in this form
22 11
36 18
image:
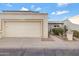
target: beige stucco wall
51 25
0 24
0 29
45 27
25 17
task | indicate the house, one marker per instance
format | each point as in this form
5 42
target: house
55 24
23 24
72 23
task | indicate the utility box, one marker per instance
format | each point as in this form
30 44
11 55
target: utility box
69 35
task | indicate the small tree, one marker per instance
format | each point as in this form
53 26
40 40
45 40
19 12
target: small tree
65 29
76 33
58 31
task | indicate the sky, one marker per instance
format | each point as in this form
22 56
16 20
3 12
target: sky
56 11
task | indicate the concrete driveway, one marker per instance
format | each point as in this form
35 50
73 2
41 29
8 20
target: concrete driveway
54 43
35 47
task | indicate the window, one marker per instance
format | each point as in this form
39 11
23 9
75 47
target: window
56 25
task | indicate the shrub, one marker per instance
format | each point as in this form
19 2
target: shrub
57 31
76 33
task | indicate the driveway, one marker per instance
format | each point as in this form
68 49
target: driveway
53 43
36 47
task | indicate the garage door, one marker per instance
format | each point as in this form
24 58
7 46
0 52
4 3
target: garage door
22 29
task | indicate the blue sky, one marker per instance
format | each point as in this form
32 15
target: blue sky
56 11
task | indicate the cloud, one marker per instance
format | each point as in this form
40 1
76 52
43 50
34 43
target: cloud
38 9
8 4
34 8
24 9
53 13
60 12
62 4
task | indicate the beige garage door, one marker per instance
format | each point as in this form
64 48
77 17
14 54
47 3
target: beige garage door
22 29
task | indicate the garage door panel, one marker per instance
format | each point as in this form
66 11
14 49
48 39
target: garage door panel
22 29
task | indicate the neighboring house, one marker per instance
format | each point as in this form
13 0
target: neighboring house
23 24
55 24
70 25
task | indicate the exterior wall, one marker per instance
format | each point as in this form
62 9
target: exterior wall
45 27
0 24
51 25
0 29
26 17
22 16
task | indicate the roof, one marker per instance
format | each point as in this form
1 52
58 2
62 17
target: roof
24 12
60 22
19 11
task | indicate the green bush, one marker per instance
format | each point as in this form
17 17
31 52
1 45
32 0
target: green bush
76 33
57 31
